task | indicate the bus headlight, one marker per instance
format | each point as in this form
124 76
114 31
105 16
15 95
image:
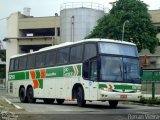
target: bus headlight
105 89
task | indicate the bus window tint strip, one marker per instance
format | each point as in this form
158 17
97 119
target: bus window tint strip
118 49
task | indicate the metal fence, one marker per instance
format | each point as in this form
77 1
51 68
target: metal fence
151 83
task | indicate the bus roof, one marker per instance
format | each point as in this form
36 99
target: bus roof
73 43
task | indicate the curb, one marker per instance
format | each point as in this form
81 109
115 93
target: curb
142 104
9 102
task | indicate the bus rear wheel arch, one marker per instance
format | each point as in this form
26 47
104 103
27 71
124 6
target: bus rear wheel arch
60 101
30 95
48 101
22 95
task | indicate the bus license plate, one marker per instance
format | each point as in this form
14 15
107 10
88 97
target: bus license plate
123 96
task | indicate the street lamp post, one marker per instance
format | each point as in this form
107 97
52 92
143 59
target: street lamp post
127 21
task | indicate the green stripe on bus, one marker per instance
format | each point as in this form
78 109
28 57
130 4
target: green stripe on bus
40 83
17 76
50 73
38 74
27 75
126 87
103 86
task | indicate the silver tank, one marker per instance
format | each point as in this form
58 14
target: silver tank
78 19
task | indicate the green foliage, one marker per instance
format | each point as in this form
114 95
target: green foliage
139 30
150 101
3 55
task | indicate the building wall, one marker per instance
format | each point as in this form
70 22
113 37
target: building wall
12 44
39 22
18 22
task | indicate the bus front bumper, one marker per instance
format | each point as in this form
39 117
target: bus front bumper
105 95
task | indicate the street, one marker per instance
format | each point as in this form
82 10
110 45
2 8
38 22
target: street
70 110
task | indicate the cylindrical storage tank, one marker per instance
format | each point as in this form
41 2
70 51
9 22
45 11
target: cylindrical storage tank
78 19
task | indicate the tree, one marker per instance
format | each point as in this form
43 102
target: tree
3 55
139 30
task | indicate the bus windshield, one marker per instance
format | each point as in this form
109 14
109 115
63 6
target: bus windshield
118 49
120 69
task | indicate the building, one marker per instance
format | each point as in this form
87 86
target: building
152 61
27 33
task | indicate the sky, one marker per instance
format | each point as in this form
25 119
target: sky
48 8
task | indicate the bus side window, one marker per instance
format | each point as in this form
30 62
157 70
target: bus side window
93 70
16 64
76 53
86 70
31 61
22 62
11 68
90 51
40 59
62 56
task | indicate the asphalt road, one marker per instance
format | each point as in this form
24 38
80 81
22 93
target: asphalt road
93 110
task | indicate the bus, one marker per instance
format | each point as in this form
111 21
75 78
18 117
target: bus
87 70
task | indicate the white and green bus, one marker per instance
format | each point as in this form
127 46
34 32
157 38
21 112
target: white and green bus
88 70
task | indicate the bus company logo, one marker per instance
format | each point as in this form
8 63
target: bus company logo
11 77
65 70
134 87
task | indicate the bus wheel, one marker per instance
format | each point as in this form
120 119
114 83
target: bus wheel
80 97
22 95
48 101
30 96
113 103
60 101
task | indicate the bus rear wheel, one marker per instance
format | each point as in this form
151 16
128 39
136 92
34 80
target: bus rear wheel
80 97
48 101
22 96
60 101
30 95
113 103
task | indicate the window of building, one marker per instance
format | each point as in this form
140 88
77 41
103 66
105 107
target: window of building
50 58
31 61
58 31
76 53
22 62
90 51
40 59
62 56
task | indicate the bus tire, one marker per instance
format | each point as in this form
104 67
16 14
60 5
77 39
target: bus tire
80 97
30 95
22 95
113 103
48 101
60 101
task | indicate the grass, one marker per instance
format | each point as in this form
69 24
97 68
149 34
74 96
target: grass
4 106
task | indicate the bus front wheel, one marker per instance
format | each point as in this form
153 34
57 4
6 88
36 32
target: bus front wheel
22 96
30 96
113 103
80 97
